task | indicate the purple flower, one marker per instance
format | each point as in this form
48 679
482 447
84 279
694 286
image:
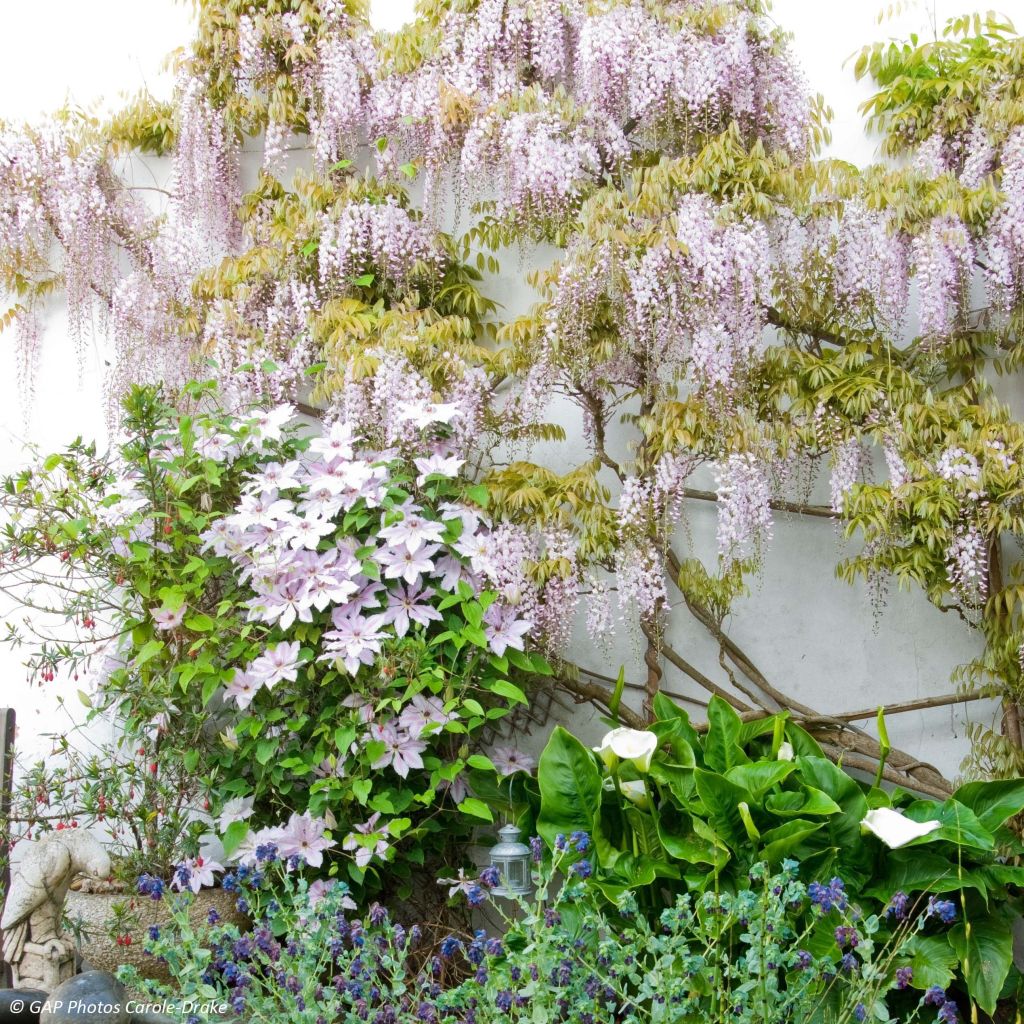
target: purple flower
948 1013
475 896
490 877
898 906
164 619
860 1011
828 896
803 959
536 848
904 976
504 630
935 996
847 937
945 910
583 868
401 749
580 840
507 761
303 838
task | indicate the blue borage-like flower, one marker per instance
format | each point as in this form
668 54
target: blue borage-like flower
944 910
827 897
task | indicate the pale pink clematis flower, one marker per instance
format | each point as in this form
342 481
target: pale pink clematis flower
437 464
403 564
278 664
164 619
268 424
303 837
335 444
242 689
406 605
239 808
508 761
413 531
402 750
195 874
366 852
321 887
420 712
504 630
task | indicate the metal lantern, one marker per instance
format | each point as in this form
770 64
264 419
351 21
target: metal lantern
512 859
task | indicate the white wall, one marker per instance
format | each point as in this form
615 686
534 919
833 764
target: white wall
811 634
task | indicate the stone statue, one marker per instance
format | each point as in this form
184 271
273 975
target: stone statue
33 940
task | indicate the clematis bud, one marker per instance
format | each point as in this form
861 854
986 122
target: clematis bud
785 751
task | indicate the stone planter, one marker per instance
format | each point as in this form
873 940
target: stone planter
92 912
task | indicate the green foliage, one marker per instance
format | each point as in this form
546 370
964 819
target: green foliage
131 534
711 806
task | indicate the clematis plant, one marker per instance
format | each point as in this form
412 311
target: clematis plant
332 616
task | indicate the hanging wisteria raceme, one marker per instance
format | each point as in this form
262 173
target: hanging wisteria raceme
379 238
943 257
206 183
1005 248
848 464
336 121
967 564
535 163
635 69
744 509
871 264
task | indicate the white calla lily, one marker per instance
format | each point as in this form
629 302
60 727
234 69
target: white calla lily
785 751
628 745
895 829
633 790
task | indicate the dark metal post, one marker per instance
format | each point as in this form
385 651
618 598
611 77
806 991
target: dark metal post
7 724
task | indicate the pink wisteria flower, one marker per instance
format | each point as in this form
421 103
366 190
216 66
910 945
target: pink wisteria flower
303 837
280 663
508 761
504 630
401 749
367 841
166 620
